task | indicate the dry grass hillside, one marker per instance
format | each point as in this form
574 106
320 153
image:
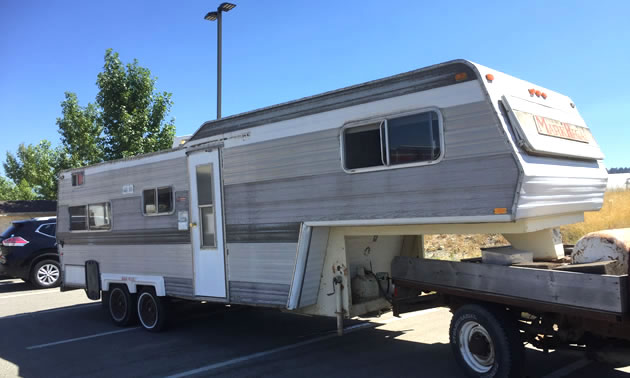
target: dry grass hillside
614 214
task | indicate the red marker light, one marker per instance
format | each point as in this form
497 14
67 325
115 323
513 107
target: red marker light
537 93
490 77
543 95
532 91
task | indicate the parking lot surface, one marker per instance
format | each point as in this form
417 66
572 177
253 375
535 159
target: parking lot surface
46 333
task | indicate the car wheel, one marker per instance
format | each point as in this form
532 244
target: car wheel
151 310
46 274
121 305
486 343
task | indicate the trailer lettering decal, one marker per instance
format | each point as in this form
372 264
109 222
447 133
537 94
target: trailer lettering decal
551 127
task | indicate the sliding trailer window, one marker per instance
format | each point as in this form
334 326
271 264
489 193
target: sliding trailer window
92 217
393 142
157 201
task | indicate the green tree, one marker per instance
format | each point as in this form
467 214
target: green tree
132 113
33 170
80 131
11 192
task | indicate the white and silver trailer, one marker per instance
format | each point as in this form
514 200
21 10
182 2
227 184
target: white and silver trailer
285 205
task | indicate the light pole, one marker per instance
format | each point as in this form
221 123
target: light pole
211 16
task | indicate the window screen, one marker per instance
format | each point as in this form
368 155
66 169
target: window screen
77 218
99 216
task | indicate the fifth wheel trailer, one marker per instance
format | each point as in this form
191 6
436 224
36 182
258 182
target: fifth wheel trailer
284 205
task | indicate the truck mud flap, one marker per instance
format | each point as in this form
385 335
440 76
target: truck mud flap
92 280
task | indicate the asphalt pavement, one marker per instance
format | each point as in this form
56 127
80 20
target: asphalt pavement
46 333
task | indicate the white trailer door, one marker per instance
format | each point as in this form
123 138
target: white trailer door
206 219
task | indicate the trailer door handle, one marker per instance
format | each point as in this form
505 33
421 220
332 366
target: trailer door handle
193 224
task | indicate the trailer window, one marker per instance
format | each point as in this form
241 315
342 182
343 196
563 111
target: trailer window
100 216
157 201
414 138
77 218
363 146
411 139
205 203
77 179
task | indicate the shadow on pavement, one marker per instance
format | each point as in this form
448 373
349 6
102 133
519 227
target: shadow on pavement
204 334
14 285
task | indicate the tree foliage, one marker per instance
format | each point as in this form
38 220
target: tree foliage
33 171
129 117
132 112
80 133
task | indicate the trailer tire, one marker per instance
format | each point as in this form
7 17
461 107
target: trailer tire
486 342
151 310
121 305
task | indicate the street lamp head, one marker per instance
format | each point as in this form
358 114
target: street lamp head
211 16
226 7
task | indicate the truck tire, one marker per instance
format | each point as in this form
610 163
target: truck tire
121 305
151 310
46 274
486 343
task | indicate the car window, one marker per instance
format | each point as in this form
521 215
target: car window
48 229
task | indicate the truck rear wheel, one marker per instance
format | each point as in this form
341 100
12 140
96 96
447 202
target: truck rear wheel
486 343
151 310
121 305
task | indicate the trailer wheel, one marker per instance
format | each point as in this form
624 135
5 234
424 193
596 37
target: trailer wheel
121 305
151 310
486 343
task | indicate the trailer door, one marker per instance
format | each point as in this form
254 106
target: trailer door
206 217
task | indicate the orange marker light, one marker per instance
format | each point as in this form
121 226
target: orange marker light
532 91
461 76
544 95
490 77
500 210
537 93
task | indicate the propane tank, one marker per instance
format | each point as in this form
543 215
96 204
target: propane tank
604 246
364 287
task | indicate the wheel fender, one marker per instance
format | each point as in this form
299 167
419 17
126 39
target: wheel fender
132 281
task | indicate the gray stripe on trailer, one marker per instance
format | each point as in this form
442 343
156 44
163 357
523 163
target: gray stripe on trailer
176 286
263 233
129 237
259 293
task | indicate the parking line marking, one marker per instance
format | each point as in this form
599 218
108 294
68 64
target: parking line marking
43 312
567 370
45 291
82 338
253 356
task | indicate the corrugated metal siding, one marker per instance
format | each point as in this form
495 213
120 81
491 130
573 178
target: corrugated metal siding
314 266
305 154
260 273
174 260
182 287
555 186
472 130
465 187
263 233
259 293
477 175
261 262
103 186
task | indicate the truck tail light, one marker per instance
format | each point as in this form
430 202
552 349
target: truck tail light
15 241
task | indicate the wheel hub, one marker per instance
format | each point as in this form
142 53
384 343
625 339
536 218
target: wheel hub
48 274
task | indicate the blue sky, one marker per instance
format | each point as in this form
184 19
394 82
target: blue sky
275 51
